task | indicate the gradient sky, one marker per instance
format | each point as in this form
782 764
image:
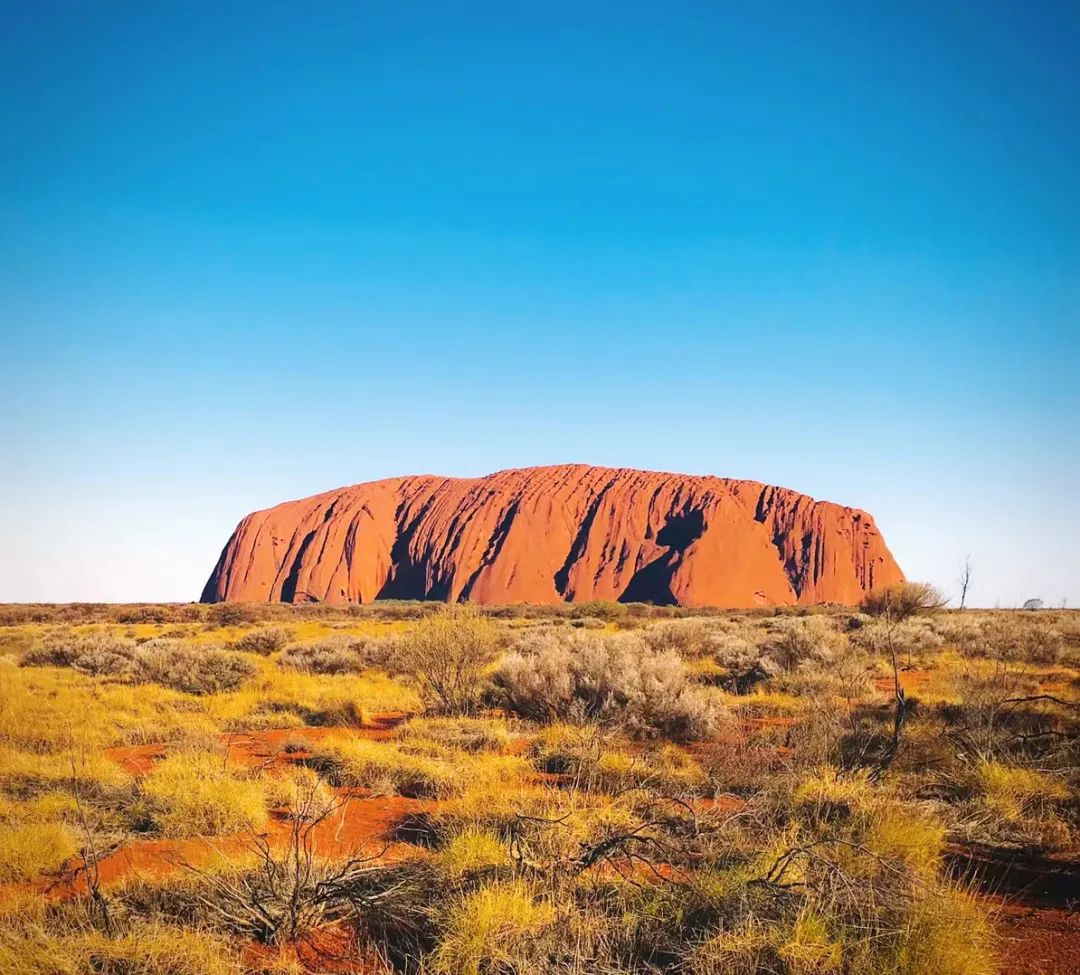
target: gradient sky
252 251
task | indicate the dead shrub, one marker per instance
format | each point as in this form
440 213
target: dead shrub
903 600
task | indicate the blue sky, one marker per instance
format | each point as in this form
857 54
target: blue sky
249 252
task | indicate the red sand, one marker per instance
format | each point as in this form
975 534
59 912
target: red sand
362 825
1039 936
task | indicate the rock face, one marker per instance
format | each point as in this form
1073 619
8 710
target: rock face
555 534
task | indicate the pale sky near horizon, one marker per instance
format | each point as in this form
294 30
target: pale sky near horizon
250 252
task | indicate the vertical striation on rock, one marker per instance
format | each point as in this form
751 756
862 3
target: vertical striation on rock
556 534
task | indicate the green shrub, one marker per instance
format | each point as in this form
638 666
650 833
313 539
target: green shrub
190 668
193 668
263 641
615 680
445 656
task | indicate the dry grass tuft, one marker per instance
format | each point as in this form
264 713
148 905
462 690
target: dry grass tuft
491 929
194 794
473 851
28 849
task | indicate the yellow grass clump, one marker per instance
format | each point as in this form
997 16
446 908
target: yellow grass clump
467 734
152 949
739 951
1012 792
490 929
51 710
829 794
24 771
278 697
472 851
301 792
27 849
389 767
948 932
809 948
904 834
194 794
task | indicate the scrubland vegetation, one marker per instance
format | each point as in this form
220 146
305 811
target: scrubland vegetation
595 788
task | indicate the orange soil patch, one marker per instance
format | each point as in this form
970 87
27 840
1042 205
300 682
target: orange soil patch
1033 898
362 825
721 803
910 680
136 759
333 950
255 749
1039 940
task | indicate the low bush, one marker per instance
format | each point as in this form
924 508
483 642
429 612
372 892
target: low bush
914 637
93 654
688 638
234 614
903 600
263 641
792 642
613 680
740 663
602 609
341 655
182 666
335 655
1033 640
190 668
